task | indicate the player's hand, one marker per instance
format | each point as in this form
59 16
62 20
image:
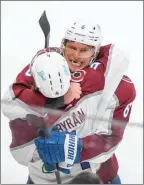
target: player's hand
59 147
74 92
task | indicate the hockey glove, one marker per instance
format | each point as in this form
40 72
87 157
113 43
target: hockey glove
57 148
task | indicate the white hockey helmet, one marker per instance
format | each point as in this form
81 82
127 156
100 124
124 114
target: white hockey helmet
87 33
51 73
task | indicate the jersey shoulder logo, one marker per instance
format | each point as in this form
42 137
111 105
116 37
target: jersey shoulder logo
95 65
78 76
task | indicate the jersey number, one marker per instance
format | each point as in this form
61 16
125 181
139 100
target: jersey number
127 110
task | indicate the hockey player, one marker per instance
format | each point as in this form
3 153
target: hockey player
110 107
96 139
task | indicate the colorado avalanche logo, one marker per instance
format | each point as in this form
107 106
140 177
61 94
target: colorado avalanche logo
78 76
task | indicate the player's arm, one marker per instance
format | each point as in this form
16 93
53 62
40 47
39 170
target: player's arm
100 146
22 99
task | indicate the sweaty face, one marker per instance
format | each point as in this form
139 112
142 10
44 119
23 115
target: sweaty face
78 55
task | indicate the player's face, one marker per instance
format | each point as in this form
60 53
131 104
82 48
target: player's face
78 55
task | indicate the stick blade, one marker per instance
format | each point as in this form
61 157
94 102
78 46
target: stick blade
44 24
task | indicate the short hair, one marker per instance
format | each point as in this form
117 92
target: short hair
86 178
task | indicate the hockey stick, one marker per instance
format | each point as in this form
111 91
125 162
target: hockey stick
45 26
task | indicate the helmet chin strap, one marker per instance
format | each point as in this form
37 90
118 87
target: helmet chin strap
94 56
91 61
